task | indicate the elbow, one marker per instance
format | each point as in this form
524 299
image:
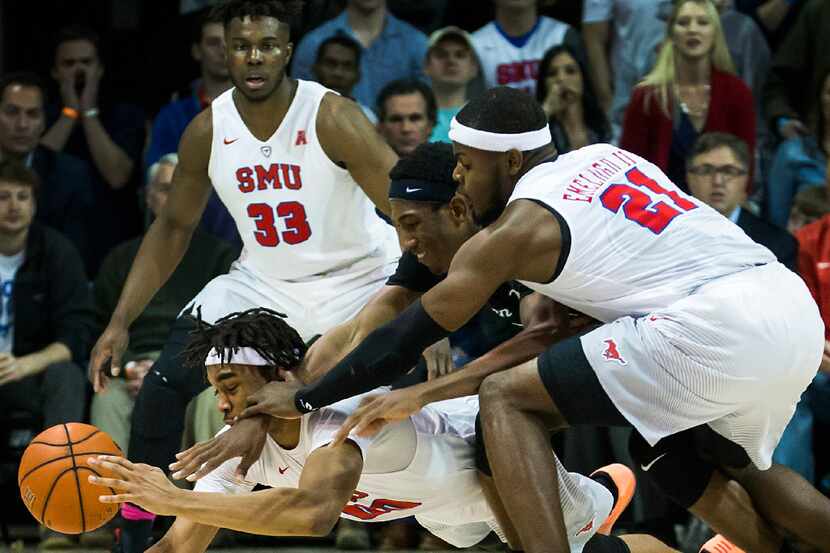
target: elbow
321 523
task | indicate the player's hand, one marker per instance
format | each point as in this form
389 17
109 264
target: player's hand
275 399
145 486
375 412
245 439
109 349
439 359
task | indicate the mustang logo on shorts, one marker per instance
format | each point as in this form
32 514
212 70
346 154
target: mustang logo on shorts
587 528
611 352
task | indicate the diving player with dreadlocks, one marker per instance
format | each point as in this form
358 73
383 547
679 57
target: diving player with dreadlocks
423 466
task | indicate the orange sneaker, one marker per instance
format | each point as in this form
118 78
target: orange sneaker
626 482
719 544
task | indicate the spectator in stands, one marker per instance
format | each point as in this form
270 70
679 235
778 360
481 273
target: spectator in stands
511 46
451 65
106 134
691 90
797 71
809 205
208 50
337 67
64 197
392 49
45 314
797 449
800 162
566 95
718 174
406 113
775 17
616 29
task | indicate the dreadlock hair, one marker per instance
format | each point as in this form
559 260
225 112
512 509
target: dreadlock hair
286 11
260 329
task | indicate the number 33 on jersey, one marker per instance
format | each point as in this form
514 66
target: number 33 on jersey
295 209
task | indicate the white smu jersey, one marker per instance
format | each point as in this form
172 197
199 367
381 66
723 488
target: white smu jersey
632 241
299 214
422 467
505 64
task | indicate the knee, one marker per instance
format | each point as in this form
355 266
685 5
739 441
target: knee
497 392
65 377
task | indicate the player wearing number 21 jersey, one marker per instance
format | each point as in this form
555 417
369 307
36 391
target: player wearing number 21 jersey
705 333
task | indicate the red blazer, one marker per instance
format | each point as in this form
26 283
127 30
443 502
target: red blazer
647 131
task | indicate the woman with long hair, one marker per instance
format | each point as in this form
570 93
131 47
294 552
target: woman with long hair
566 95
692 89
800 162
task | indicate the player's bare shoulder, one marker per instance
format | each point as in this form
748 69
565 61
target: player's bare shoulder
341 126
195 144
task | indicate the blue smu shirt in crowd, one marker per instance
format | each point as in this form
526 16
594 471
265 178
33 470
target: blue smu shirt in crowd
397 53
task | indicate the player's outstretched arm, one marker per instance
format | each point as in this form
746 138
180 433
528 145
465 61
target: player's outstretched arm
387 304
329 477
546 322
473 277
162 248
185 536
349 139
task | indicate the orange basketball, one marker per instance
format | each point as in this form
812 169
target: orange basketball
53 478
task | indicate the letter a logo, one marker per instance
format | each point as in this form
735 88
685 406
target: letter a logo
301 140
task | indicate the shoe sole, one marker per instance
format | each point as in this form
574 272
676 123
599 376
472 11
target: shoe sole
626 483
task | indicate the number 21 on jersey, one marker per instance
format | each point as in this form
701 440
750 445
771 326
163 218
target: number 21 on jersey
293 217
645 202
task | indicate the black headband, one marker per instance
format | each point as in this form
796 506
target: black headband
422 190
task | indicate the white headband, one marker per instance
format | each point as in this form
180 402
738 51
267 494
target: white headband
242 356
498 142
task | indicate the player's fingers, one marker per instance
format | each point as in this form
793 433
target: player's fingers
109 482
342 433
245 465
192 465
253 410
371 428
120 498
207 467
193 450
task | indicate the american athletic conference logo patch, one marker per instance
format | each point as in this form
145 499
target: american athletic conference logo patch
612 352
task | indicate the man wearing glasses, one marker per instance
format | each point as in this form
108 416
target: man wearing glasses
718 173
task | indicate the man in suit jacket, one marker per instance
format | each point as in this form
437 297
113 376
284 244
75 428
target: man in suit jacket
717 171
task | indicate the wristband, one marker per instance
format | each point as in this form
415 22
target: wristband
385 355
91 112
69 112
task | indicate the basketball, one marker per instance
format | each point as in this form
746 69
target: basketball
53 478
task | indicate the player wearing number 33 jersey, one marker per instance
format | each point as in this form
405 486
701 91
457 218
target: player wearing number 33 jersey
314 248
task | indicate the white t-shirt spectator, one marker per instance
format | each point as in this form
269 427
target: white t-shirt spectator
9 264
514 61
